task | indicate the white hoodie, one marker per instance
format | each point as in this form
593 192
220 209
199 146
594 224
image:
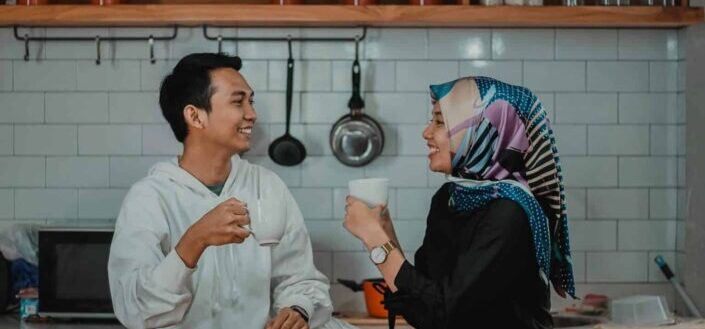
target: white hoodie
233 286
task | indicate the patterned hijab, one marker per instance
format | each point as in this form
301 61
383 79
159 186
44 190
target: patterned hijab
502 146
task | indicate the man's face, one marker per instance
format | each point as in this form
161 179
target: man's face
232 115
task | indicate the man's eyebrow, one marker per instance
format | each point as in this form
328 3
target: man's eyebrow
241 93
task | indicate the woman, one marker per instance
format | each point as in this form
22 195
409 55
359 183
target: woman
496 232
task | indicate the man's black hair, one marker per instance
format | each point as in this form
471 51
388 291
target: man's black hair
190 83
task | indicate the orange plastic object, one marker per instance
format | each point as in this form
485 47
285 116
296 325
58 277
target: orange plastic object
374 294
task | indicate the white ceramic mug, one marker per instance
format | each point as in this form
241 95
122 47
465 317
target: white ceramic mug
372 191
267 221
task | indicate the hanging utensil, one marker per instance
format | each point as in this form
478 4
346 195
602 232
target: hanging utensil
152 60
26 47
97 46
287 150
356 139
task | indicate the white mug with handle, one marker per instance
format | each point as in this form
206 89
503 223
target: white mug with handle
267 222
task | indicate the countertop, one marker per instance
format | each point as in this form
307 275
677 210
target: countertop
13 322
361 321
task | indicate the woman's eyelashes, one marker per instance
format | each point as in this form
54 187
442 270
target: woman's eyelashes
437 122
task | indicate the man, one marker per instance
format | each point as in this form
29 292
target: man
182 256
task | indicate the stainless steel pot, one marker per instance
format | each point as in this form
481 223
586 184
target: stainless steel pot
356 139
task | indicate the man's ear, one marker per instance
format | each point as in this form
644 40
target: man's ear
195 117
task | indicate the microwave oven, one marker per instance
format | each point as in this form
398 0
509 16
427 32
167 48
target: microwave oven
73 273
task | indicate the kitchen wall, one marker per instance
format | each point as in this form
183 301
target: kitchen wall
694 268
74 136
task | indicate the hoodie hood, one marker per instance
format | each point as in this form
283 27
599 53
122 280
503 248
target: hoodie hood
170 170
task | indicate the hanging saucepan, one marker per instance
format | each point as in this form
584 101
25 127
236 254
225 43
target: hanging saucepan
287 150
356 139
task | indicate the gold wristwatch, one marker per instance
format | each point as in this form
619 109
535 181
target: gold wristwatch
379 254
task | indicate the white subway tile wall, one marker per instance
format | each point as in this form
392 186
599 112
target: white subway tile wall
109 139
648 44
77 171
617 203
5 75
618 140
19 107
664 76
587 44
621 266
44 75
418 75
587 108
525 44
508 71
256 73
134 108
85 107
6 140
39 203
99 203
46 140
7 203
458 44
622 76
75 136
159 140
109 76
571 139
541 75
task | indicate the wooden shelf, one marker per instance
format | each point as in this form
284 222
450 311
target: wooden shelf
338 15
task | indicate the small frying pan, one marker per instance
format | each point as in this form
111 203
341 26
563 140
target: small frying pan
356 139
287 150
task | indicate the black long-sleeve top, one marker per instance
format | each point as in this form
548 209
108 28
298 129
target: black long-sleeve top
474 270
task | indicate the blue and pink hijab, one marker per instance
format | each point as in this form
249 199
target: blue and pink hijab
502 146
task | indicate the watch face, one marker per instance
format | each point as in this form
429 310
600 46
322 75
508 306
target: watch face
378 255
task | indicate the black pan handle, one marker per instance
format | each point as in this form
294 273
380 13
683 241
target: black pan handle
352 285
289 86
356 102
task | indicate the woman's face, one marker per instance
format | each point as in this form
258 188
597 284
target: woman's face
438 142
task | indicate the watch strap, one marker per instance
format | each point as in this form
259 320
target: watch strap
301 311
388 247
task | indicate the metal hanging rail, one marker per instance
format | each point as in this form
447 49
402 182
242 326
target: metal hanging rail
219 38
26 38
98 39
